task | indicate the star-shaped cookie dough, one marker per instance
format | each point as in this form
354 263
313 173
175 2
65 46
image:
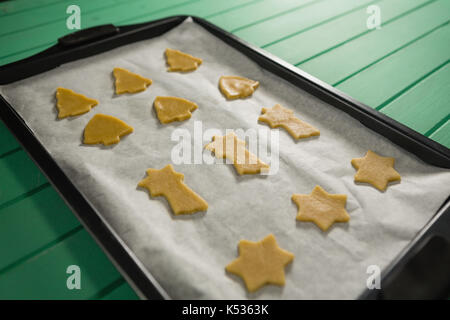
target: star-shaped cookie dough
322 208
376 170
260 263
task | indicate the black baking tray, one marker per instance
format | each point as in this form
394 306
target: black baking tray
422 270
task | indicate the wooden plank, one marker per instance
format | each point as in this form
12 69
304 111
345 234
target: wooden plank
25 53
425 104
19 175
442 135
255 12
376 44
33 224
8 8
384 80
271 30
44 276
123 292
57 11
8 142
326 37
200 8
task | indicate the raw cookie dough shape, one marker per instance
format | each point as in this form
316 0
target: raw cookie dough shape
260 263
130 82
169 183
180 61
70 103
233 149
105 129
279 116
170 109
234 87
322 208
376 170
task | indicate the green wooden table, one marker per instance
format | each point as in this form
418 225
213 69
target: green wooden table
401 69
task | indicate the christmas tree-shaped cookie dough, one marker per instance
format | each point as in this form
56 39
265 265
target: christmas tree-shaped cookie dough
278 116
180 61
70 103
130 82
169 183
376 170
260 263
322 208
233 149
105 129
234 87
170 109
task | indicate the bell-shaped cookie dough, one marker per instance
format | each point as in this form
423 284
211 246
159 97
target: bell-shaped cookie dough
180 61
170 109
70 103
234 87
169 183
278 116
130 82
233 149
105 129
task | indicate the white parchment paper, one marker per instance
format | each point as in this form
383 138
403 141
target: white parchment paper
187 255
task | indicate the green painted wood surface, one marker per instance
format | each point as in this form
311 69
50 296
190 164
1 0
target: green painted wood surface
375 45
254 13
442 134
433 92
14 7
418 60
44 219
8 143
18 182
122 292
45 277
401 70
279 27
309 44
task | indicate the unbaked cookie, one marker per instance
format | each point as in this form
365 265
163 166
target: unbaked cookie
234 87
127 81
233 149
169 183
279 116
180 61
70 103
376 170
260 263
321 207
170 109
105 129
